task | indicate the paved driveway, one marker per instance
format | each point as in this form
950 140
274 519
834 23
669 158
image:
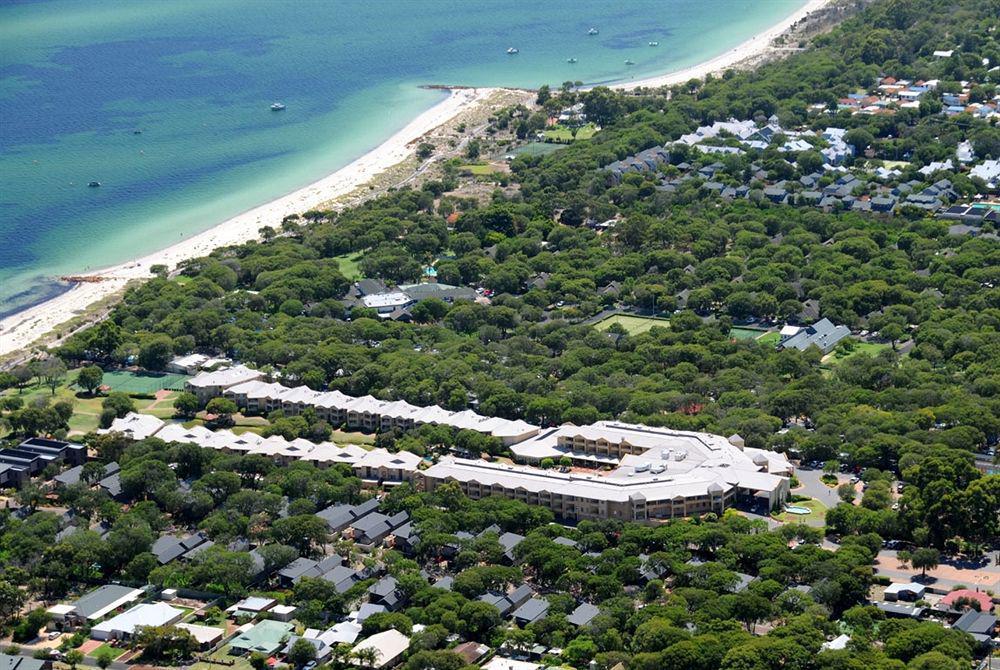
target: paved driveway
813 486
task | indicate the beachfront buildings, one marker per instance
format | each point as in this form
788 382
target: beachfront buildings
657 473
367 413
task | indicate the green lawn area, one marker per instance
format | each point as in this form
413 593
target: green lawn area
633 325
349 265
114 651
870 348
477 169
586 132
143 382
559 134
222 654
745 333
536 149
816 518
770 338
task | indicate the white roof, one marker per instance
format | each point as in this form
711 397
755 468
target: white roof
905 587
135 425
379 458
389 644
391 299
345 631
61 609
225 378
501 663
253 604
204 634
788 330
189 361
146 614
839 642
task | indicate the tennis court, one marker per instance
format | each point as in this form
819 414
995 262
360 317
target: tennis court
745 333
142 382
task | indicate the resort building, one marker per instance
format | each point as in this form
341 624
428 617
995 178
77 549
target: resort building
365 413
659 474
207 385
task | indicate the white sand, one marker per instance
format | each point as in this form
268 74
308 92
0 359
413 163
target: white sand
755 46
22 329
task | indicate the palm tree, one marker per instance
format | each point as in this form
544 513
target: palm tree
366 657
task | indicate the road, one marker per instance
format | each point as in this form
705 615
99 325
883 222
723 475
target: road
814 487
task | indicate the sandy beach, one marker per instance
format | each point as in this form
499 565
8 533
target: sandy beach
24 328
751 48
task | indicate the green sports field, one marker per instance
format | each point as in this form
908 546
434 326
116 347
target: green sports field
143 382
633 325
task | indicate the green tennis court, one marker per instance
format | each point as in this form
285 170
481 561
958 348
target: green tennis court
142 382
745 333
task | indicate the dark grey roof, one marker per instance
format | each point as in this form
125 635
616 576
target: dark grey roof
822 334
383 587
976 623
100 598
565 541
8 662
444 583
583 614
532 610
167 548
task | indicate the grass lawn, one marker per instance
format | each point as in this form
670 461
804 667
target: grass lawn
537 149
348 264
143 382
745 333
477 169
870 348
770 338
222 654
633 325
559 134
817 517
586 132
114 651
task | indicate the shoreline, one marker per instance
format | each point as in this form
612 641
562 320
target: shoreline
22 329
755 46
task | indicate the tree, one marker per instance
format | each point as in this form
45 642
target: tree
52 370
186 404
103 657
118 403
90 378
924 559
11 600
425 150
223 408
366 657
847 492
74 657
164 643
302 652
155 352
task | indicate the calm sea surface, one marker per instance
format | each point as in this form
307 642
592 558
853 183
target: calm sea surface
79 78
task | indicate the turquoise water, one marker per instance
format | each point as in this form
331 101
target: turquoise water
78 78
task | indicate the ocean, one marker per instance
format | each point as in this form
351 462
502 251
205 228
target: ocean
167 103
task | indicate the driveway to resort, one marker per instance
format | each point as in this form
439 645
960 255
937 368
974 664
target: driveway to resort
814 487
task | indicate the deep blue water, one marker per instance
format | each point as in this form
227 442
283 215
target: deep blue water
77 78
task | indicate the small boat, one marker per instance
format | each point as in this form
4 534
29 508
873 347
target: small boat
654 44
593 31
277 107
629 61
137 132
570 60
511 51
94 184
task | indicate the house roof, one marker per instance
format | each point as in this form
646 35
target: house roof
389 645
533 610
583 614
99 602
264 636
146 614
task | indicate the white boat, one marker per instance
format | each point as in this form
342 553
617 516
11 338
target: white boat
593 31
277 107
654 44
629 61
511 51
570 60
